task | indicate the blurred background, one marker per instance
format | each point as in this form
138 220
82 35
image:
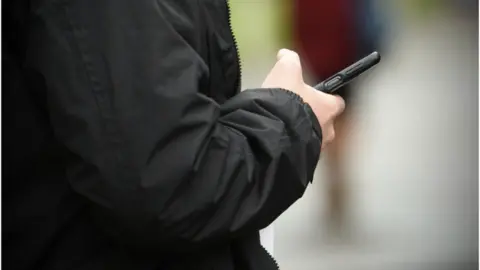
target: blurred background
400 188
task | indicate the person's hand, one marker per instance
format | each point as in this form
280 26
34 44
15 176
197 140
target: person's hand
287 74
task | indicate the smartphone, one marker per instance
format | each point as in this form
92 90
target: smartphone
343 77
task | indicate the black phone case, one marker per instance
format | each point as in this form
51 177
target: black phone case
343 77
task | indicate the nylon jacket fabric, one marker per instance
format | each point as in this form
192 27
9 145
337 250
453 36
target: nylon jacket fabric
139 151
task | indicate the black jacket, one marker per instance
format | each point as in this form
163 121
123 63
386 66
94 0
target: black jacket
129 146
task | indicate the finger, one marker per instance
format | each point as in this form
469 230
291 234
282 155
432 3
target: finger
288 56
330 134
335 103
282 52
328 137
323 146
339 104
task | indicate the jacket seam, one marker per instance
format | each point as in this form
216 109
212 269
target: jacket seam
109 127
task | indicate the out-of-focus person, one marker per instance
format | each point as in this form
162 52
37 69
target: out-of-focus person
330 35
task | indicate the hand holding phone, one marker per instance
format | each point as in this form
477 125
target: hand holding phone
287 74
343 77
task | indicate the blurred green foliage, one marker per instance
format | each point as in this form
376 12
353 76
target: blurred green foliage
422 8
259 25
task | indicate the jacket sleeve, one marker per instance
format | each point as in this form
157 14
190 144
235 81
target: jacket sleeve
160 162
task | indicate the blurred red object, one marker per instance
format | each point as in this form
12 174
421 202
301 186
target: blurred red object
324 34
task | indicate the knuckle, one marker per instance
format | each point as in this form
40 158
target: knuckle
340 103
336 103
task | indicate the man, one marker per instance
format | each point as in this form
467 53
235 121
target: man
143 154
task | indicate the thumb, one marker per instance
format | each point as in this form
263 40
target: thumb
289 59
281 53
286 53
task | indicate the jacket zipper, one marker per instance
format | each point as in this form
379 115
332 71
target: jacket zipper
238 87
272 258
239 62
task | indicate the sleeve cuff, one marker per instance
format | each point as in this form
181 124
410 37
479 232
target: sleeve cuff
309 111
